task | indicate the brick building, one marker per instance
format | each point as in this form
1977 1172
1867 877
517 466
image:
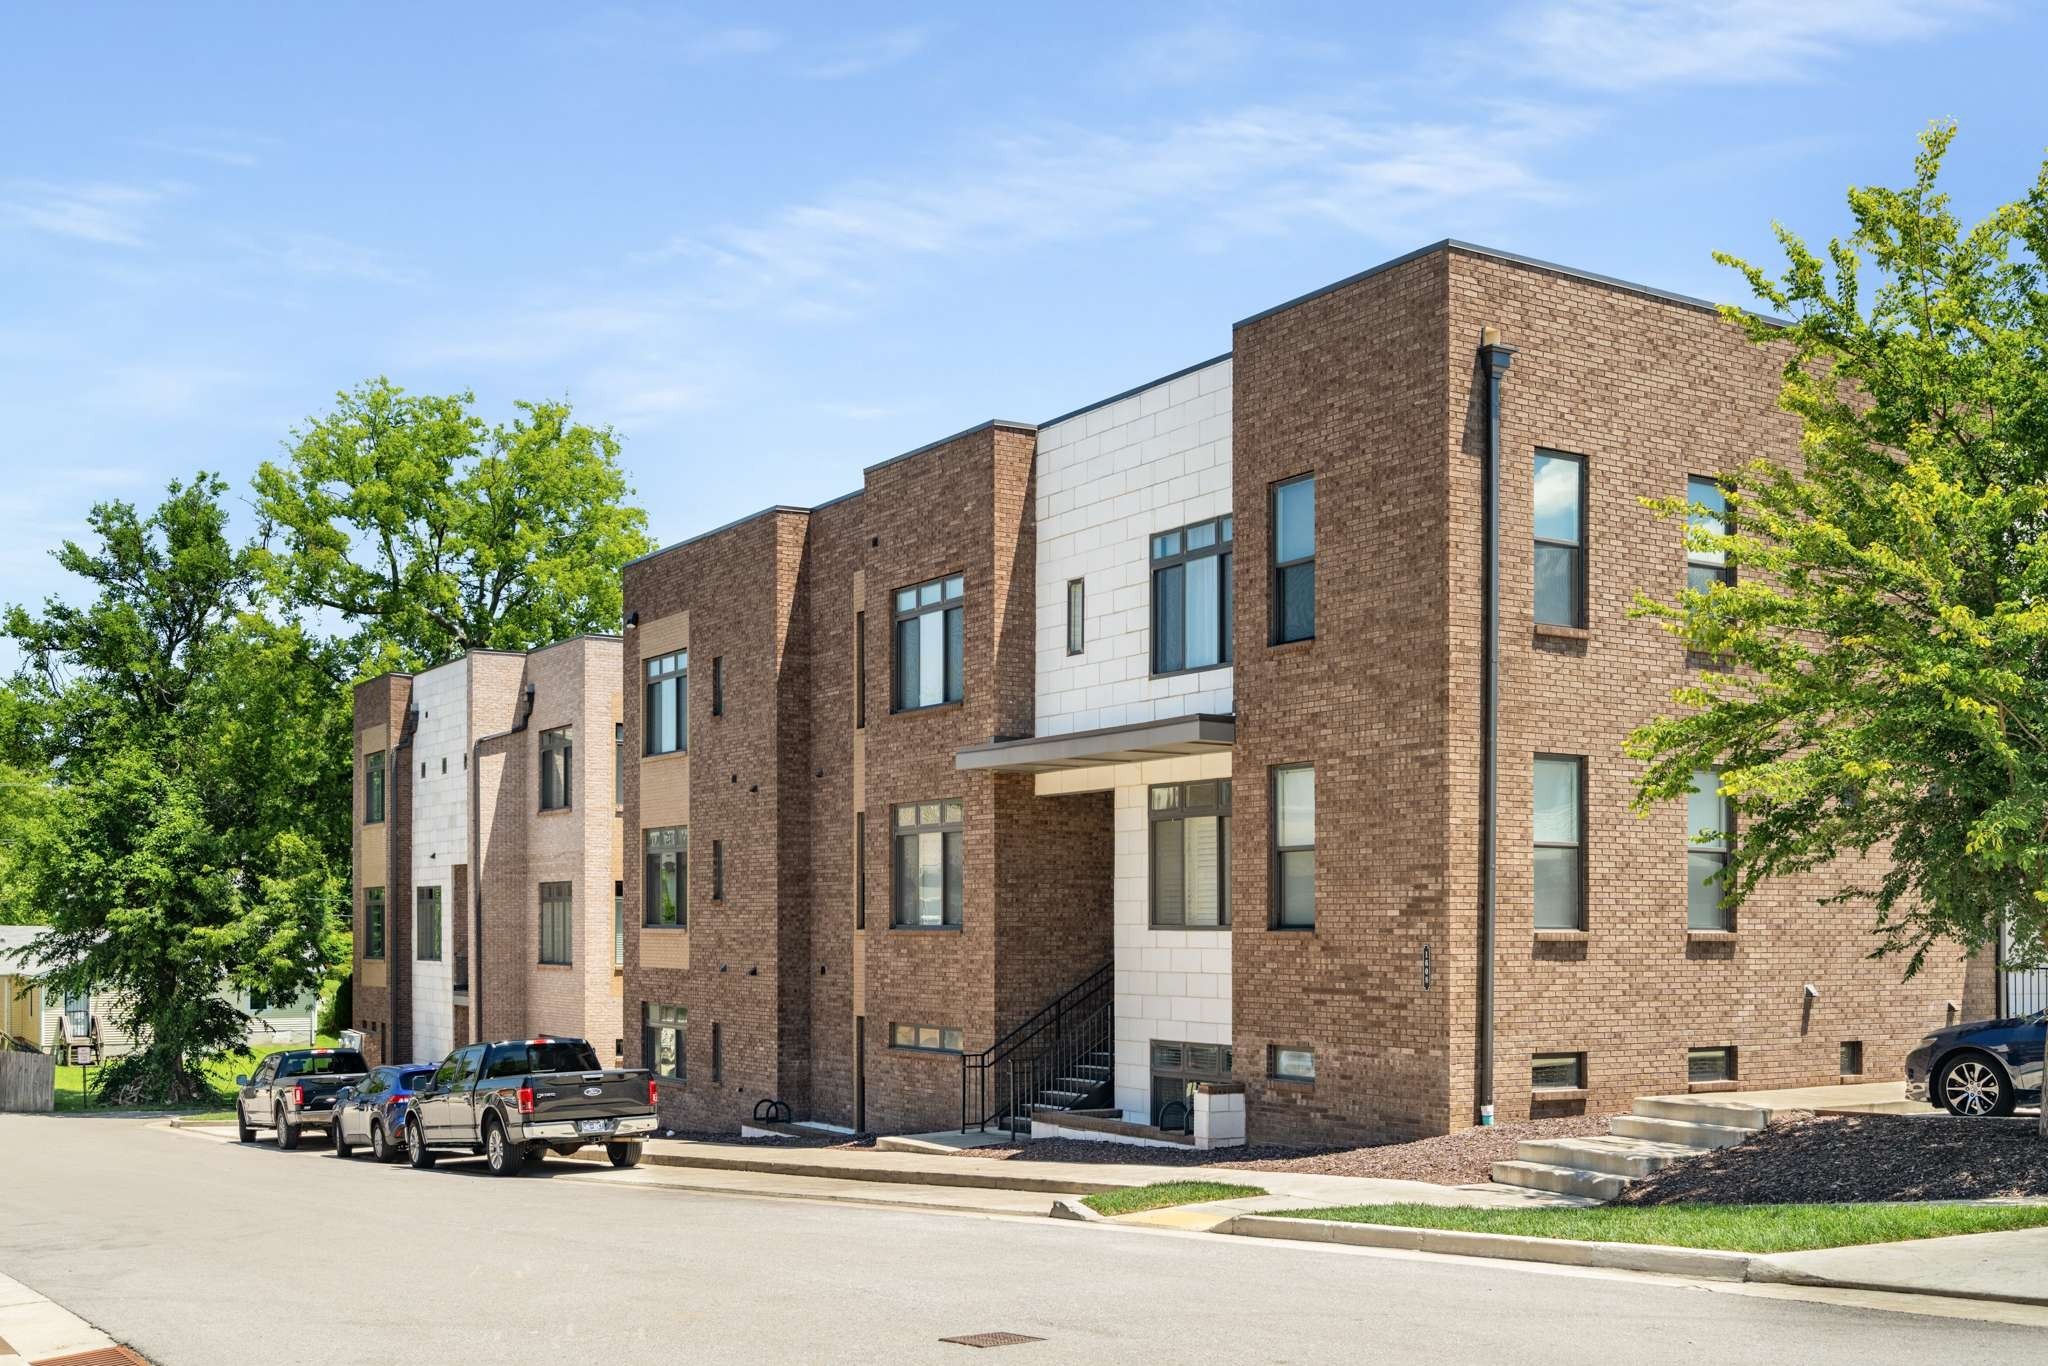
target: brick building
1147 745
510 764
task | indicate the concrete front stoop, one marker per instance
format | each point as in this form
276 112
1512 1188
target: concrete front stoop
1661 1130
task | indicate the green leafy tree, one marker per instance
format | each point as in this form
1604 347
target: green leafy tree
433 533
1884 683
193 837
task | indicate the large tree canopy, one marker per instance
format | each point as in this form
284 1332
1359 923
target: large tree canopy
433 533
1884 682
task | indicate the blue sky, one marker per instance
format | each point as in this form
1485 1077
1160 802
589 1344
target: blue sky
772 244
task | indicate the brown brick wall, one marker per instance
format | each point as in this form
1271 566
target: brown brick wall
837 540
379 702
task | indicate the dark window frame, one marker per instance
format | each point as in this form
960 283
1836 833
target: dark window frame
1708 1054
718 685
422 897
1850 1057
1274 1073
374 785
656 675
860 670
860 870
1578 846
1576 549
1276 916
952 895
717 1052
951 598
1218 809
557 763
1169 550
718 870
1276 577
558 900
917 1034
1721 852
1077 616
655 1020
619 924
1576 1080
1696 567
374 911
650 880
619 763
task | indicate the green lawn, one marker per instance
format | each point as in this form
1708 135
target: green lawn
1731 1228
1134 1199
221 1072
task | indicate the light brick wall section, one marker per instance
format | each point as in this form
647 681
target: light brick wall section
1107 480
440 840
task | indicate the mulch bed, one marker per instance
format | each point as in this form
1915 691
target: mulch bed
809 1140
1855 1158
1449 1160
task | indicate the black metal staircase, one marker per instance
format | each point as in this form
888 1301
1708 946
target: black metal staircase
1062 1058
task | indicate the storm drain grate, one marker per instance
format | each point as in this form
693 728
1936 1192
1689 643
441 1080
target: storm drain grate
99 1356
991 1339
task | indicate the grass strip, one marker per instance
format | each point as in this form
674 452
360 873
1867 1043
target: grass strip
1727 1228
1165 1194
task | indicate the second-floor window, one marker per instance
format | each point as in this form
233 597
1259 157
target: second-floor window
1191 596
557 918
930 644
1294 847
426 926
557 749
619 763
373 788
1191 855
1710 832
668 703
1559 855
1560 539
930 862
1294 560
1705 568
373 922
666 891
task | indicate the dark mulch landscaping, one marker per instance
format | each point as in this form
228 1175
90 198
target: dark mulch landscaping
1862 1158
1449 1160
806 1140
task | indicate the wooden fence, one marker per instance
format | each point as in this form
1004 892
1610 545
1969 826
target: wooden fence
28 1082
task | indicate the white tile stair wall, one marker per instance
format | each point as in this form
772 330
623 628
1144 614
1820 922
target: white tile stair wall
1661 1130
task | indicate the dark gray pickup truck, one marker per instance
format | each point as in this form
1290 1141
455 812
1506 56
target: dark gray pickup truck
523 1098
294 1090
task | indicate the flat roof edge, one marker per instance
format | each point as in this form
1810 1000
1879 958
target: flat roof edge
717 530
1135 389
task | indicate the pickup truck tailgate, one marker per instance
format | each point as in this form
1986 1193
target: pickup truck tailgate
608 1094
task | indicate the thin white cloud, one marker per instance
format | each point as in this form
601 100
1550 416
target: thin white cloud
165 390
871 54
96 211
672 35
314 253
1618 45
1208 50
221 146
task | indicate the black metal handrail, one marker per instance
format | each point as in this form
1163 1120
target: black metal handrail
1007 1076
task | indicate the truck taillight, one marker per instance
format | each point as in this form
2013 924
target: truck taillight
298 1095
526 1100
653 1091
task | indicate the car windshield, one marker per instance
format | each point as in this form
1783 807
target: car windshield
322 1064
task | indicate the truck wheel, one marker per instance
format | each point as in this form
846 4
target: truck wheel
417 1154
341 1148
502 1156
380 1146
287 1134
623 1154
245 1132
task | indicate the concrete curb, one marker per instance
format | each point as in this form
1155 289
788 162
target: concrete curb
789 1165
1697 1263
1074 1209
1765 1271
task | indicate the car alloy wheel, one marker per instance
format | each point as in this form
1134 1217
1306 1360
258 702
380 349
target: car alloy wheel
494 1143
379 1149
1971 1088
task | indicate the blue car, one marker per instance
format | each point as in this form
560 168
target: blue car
372 1112
1983 1068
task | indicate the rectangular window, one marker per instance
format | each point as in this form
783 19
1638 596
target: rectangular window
1557 1072
925 1038
930 861
619 764
1294 560
1190 869
1294 847
930 641
1852 1057
717 699
1077 616
557 748
618 924
1177 1068
668 703
1191 597
860 670
860 870
1291 1064
426 925
556 921
373 788
1559 854
718 870
1709 1064
1710 832
1560 539
717 1053
666 892
662 1039
1705 568
373 922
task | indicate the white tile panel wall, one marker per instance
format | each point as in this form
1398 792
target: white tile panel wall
440 840
1107 479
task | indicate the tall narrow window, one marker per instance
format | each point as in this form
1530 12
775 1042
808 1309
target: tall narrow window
718 870
1190 855
717 1053
1705 568
718 685
860 670
930 643
1077 616
618 924
662 1039
1560 539
930 865
1710 832
1294 847
668 703
1294 560
1191 596
1559 857
426 925
373 788
557 749
556 923
373 922
860 870
619 764
665 893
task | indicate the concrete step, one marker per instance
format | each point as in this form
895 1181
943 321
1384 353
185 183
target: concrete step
1677 1131
1542 1176
1731 1114
1631 1157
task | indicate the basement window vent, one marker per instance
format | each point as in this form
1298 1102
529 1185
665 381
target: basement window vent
1852 1057
1709 1064
1557 1072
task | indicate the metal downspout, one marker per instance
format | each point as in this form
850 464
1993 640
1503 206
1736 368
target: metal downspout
1496 358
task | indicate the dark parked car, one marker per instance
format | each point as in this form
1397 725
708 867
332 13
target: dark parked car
522 1098
372 1112
1983 1068
294 1090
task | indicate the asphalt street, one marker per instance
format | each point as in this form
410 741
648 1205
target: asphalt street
202 1253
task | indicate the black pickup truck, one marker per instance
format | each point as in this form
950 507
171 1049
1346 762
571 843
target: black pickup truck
294 1090
522 1098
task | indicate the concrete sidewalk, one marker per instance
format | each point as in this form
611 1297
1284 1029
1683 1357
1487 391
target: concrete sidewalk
1989 1266
34 1329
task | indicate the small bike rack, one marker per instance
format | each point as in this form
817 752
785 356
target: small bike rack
771 1112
